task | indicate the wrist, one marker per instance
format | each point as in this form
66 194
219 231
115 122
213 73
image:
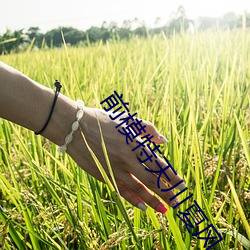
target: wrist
61 121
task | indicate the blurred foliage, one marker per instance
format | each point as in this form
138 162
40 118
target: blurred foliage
20 40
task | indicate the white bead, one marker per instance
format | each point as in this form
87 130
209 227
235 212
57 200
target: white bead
80 103
75 126
68 138
79 114
62 149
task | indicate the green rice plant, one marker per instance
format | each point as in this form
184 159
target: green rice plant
194 88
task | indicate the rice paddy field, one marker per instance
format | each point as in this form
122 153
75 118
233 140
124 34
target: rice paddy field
194 88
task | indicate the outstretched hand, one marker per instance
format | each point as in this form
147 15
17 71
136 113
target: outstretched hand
137 185
21 98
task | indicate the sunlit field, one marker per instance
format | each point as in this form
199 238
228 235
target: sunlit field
194 88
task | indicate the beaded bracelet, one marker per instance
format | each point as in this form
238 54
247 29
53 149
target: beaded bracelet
74 127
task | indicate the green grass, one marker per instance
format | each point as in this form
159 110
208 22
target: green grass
195 89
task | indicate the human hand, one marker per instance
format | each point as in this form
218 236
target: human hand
28 103
133 181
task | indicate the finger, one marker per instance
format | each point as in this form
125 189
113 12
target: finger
161 166
151 129
140 186
131 197
138 189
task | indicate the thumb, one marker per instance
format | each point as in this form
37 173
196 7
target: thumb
151 129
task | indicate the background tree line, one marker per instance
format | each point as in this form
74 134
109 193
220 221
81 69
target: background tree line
20 40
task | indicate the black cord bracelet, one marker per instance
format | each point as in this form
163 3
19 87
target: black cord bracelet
58 87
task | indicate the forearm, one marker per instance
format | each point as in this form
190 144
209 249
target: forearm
27 103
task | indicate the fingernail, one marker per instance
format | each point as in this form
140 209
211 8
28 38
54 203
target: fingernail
161 208
162 138
174 203
142 206
182 186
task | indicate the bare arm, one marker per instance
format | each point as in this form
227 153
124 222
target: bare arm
28 103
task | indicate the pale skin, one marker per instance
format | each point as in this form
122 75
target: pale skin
28 103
